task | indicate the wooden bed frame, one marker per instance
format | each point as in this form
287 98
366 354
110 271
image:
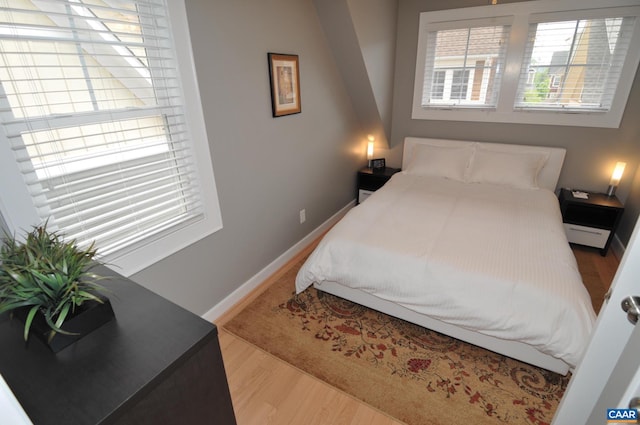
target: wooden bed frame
547 178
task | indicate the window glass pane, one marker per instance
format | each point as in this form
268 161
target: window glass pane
437 88
76 63
125 26
57 151
465 65
45 78
459 84
575 64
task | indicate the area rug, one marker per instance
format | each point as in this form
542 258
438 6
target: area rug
414 375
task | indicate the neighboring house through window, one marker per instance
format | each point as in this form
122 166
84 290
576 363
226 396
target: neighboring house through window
460 84
464 65
438 85
577 63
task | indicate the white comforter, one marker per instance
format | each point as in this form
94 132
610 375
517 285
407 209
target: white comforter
488 258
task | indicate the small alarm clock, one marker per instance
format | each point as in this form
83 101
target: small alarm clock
377 163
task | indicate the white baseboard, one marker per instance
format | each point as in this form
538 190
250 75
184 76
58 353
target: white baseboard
232 299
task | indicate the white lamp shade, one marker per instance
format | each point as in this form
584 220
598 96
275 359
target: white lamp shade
370 150
617 173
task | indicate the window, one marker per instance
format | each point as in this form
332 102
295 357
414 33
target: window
463 66
96 126
540 63
450 86
576 64
437 86
460 84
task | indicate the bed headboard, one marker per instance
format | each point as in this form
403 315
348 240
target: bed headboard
547 178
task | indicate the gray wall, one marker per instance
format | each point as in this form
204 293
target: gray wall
375 26
266 169
339 29
591 152
361 35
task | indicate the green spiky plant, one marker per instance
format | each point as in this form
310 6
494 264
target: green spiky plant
46 275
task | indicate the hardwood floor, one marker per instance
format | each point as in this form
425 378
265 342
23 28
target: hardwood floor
268 391
590 261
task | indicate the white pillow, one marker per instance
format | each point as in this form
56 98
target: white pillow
516 169
438 161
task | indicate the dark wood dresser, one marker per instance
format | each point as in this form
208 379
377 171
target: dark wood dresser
156 363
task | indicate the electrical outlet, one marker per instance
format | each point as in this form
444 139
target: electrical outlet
303 215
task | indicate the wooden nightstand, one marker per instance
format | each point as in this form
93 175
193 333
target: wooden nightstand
592 221
370 180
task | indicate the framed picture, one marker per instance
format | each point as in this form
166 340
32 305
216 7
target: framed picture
284 75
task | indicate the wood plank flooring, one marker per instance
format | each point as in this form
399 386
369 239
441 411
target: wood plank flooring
268 391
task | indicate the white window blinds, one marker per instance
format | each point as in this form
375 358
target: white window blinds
560 62
574 64
92 107
464 66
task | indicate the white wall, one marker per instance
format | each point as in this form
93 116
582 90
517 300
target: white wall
266 169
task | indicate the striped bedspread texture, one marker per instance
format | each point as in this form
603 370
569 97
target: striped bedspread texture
489 258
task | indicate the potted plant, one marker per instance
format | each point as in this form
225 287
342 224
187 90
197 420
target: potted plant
49 284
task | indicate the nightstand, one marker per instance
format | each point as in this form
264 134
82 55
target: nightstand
592 221
371 179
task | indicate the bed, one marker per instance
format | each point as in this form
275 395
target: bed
468 241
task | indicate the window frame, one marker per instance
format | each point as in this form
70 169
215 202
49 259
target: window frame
19 212
519 16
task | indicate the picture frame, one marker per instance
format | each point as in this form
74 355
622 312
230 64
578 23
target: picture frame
284 76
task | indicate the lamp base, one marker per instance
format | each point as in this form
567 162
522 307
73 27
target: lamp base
370 163
611 190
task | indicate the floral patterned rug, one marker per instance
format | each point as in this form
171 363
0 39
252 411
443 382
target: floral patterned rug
413 374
